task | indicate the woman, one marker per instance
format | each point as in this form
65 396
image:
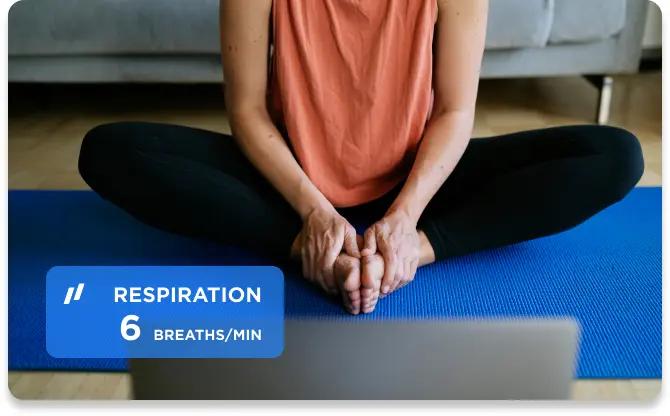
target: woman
365 107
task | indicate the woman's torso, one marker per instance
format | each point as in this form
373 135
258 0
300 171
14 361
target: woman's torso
351 86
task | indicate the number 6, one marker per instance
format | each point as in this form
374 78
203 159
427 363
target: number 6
126 326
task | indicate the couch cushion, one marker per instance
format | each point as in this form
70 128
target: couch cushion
48 27
107 27
519 23
587 20
56 27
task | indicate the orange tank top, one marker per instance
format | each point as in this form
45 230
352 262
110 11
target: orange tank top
350 85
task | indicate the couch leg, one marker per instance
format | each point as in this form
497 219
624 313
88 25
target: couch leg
604 84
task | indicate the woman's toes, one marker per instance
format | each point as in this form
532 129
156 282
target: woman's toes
347 273
366 294
372 271
370 304
352 281
354 300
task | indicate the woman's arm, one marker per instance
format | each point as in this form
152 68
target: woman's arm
244 52
245 39
460 35
459 40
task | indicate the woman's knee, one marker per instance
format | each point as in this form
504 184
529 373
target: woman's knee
102 151
623 155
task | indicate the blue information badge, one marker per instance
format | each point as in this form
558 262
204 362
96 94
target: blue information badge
165 312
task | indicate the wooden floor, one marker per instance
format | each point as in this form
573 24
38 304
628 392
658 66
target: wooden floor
116 386
47 123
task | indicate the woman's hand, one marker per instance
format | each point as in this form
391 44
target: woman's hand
396 238
324 235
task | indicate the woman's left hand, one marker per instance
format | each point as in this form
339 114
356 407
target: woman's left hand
396 238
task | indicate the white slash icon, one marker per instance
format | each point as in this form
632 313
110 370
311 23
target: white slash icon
77 294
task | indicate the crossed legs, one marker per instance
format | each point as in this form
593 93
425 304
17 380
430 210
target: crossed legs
505 190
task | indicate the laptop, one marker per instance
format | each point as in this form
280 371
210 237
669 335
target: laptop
382 360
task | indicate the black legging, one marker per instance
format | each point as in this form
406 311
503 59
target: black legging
504 190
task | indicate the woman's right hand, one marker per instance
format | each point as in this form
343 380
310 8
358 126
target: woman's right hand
324 235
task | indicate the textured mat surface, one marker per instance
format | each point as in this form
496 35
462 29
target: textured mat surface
606 273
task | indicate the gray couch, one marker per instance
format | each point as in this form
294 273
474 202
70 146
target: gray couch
178 41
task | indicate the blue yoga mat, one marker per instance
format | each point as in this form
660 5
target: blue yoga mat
606 273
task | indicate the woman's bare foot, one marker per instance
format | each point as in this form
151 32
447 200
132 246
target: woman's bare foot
347 272
372 271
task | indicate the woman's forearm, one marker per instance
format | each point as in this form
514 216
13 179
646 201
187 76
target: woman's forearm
459 44
245 42
267 150
443 144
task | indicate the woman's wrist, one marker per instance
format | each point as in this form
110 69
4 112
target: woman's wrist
308 206
401 207
403 212
306 198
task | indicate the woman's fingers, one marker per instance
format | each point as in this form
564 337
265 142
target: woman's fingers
327 264
370 242
399 274
390 262
331 248
304 259
397 242
414 265
350 243
326 234
313 269
407 269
